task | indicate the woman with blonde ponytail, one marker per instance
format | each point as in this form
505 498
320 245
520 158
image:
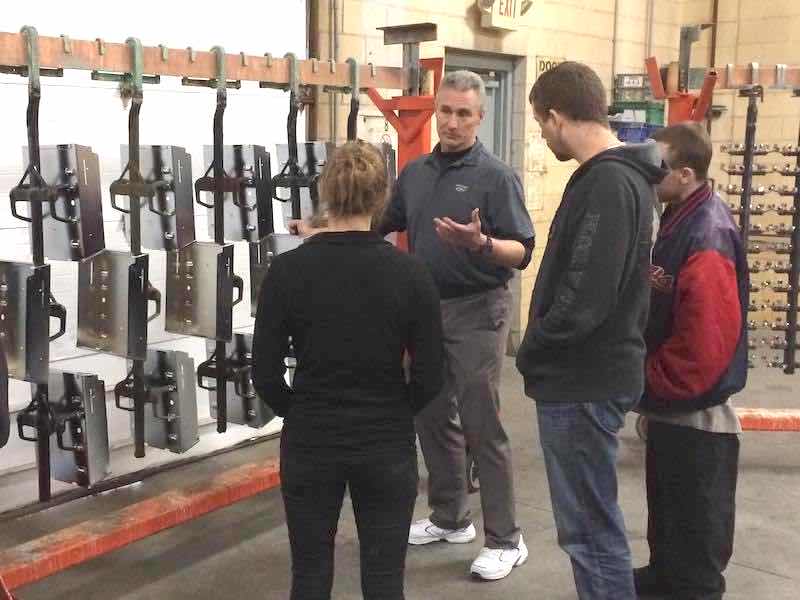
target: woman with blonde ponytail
352 305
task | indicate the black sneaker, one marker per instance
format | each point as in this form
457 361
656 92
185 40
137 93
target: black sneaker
648 583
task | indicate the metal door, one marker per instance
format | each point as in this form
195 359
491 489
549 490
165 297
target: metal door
497 74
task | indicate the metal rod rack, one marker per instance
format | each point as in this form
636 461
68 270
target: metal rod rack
790 352
749 150
132 65
97 55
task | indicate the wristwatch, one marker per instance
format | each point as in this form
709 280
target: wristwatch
486 247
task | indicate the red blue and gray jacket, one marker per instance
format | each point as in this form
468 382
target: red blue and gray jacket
697 332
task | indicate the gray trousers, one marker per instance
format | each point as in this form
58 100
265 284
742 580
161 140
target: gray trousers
466 413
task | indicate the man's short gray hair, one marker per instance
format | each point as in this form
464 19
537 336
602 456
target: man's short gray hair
464 81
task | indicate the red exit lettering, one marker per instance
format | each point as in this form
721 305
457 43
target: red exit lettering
507 8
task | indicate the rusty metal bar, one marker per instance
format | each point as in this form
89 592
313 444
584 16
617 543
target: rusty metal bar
88 55
740 76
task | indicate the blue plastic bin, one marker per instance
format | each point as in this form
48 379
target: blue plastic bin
633 133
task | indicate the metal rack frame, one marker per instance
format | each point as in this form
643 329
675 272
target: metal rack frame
133 65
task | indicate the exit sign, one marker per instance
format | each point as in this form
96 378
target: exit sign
501 14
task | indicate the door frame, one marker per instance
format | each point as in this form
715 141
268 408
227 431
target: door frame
504 65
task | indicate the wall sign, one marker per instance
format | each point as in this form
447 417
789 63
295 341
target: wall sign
545 63
503 14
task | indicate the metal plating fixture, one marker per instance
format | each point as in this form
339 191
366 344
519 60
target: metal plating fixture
788 149
781 248
737 190
248 208
788 170
740 149
778 343
782 230
779 267
753 325
778 286
784 190
738 169
781 307
244 406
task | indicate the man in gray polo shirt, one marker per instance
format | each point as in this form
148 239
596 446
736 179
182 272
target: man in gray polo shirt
464 211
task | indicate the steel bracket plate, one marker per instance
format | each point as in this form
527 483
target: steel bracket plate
79 450
243 405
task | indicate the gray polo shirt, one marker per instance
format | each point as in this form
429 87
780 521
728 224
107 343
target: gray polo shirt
426 189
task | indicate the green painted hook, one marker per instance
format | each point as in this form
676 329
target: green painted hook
32 43
294 73
137 63
355 77
222 78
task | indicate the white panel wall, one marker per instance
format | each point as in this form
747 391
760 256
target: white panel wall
75 109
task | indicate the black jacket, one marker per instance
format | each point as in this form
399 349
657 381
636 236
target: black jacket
351 303
585 336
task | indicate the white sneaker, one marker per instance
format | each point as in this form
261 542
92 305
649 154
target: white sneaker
496 563
425 532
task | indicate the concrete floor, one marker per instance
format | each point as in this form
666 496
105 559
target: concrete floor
242 552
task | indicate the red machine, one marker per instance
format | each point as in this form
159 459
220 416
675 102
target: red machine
412 121
682 104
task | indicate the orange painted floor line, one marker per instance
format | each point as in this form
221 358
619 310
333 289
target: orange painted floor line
55 552
773 419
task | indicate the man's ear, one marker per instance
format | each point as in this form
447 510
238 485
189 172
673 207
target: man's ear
688 175
556 117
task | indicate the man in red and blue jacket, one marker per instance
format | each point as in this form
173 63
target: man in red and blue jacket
696 359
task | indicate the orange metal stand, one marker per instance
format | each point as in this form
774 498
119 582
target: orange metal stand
682 106
412 121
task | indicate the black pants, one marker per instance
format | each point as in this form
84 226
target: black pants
383 490
691 501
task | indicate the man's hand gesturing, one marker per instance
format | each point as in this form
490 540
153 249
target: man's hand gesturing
467 236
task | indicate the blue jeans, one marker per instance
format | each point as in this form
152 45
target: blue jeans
580 451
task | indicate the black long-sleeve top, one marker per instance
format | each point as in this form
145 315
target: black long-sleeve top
351 304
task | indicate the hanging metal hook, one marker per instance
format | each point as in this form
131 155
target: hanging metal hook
294 74
134 186
221 80
36 191
291 176
137 65
217 183
32 47
355 103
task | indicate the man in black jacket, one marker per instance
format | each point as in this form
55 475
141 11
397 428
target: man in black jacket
582 356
